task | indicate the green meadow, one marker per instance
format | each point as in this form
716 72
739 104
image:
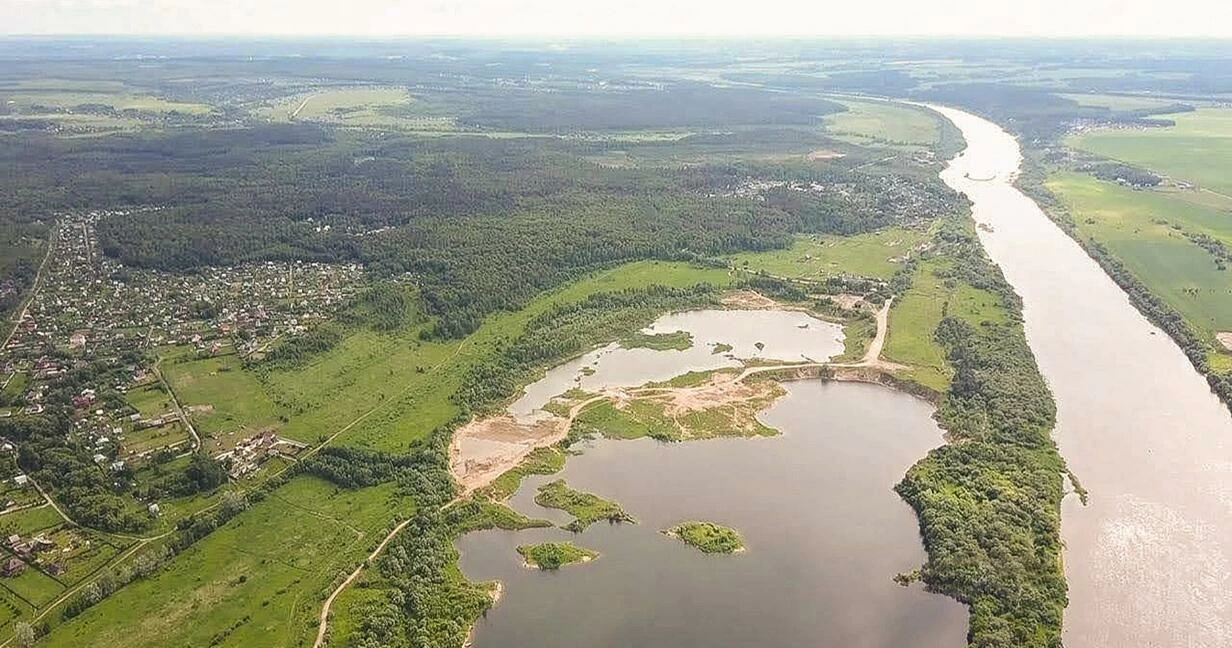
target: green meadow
876 254
1197 150
259 580
914 318
881 123
1140 228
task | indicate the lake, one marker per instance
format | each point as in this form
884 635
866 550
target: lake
825 534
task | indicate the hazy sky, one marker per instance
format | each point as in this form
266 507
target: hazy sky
621 17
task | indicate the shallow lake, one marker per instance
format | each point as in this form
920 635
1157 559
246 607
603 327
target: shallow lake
825 534
753 334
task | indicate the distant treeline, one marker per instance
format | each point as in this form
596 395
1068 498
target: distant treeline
483 224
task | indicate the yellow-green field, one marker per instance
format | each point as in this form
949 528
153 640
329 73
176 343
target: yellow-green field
915 316
69 101
1197 150
385 107
1136 227
877 254
883 123
1118 102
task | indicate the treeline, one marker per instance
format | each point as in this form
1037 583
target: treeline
483 224
1120 172
989 501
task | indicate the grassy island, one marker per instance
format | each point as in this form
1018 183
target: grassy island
554 555
674 341
708 537
588 508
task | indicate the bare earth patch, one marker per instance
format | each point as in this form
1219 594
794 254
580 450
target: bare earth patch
484 449
747 299
824 154
1225 338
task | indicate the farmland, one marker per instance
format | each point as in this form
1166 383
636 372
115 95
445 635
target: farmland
256 580
1198 150
876 254
883 123
1138 227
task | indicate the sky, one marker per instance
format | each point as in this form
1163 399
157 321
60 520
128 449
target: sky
600 18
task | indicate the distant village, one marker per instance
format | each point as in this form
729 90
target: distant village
88 308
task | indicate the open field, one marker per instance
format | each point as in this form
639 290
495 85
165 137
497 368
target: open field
28 522
382 107
1138 228
915 316
51 102
149 400
879 123
1118 102
1197 150
257 581
221 397
876 254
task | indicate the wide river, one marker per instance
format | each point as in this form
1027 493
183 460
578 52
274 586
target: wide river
1149 559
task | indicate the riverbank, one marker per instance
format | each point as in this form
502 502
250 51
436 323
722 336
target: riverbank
1147 559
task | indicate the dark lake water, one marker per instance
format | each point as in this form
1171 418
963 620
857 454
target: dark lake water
824 529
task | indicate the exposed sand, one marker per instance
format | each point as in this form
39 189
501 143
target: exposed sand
747 299
824 154
484 449
1225 338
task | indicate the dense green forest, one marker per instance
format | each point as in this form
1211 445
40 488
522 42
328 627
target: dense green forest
989 501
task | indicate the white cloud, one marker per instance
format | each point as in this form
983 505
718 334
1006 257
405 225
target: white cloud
1211 18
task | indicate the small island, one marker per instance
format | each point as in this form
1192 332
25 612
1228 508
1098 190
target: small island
554 555
708 537
588 508
721 347
674 341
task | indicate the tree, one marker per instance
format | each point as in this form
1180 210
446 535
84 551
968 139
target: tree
24 634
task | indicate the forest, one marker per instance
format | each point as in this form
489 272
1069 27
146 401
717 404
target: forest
989 501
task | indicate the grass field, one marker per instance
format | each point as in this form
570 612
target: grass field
1136 227
876 254
1197 150
150 400
382 107
32 100
28 522
1118 102
878 123
222 398
257 581
914 318
32 586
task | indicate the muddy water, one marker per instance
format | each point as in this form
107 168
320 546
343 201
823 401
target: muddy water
824 530
1149 560
764 334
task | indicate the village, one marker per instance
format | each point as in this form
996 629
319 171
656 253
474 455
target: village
88 311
